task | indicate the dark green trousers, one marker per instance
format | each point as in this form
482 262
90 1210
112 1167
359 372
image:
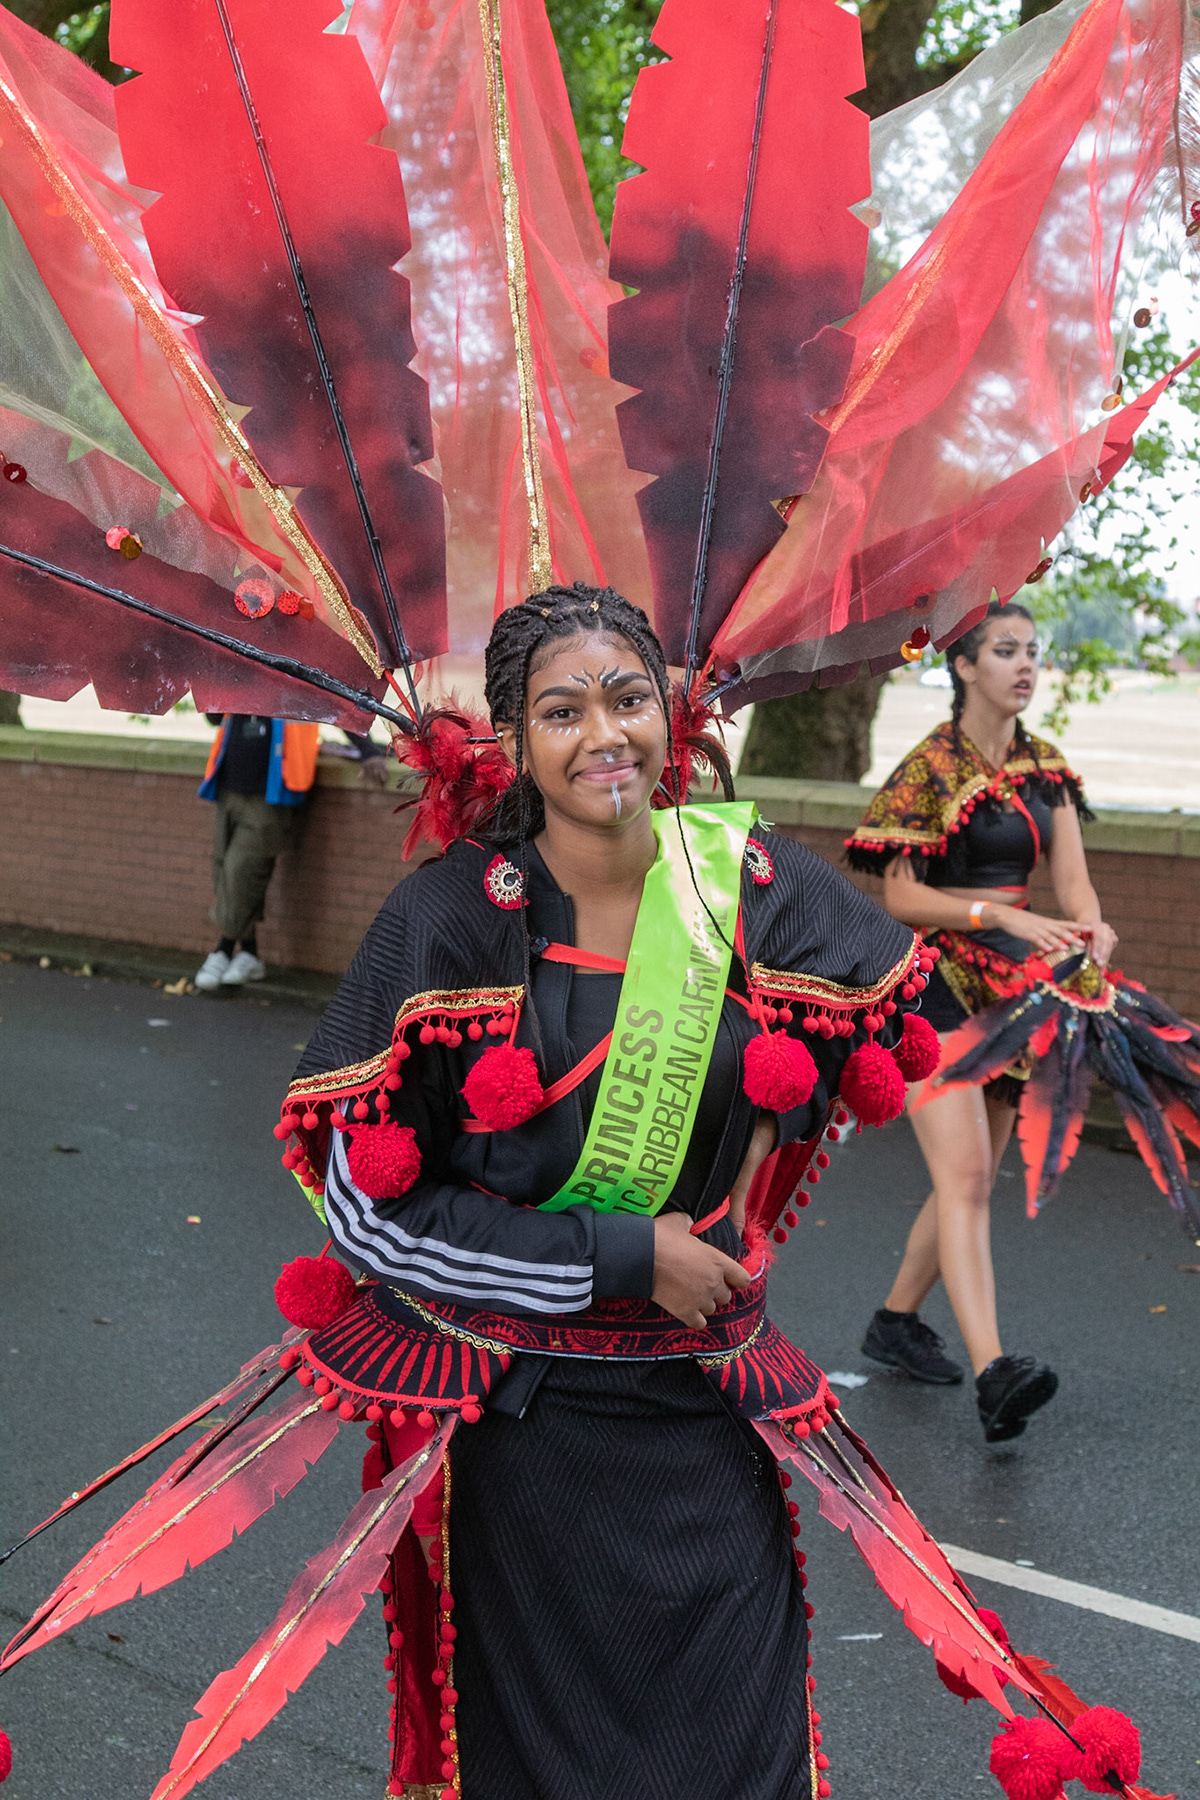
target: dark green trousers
248 836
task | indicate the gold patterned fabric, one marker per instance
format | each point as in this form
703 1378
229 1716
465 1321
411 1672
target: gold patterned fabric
930 795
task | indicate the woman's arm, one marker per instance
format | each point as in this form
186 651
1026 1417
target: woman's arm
447 1241
1072 886
914 903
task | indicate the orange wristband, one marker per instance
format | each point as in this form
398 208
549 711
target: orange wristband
975 915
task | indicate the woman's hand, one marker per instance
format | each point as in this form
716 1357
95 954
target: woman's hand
1103 943
761 1145
691 1278
1050 936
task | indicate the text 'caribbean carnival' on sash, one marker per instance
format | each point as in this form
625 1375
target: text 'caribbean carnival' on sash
672 993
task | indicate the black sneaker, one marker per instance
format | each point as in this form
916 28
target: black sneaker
904 1342
1009 1389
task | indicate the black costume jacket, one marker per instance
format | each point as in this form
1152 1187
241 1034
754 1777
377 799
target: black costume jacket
464 1269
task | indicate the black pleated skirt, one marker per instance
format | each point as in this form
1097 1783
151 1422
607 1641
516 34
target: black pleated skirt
630 1619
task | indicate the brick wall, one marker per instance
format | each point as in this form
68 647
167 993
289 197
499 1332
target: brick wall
104 837
125 853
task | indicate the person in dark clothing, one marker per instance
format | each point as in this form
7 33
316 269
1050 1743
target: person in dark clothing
560 1101
955 831
260 773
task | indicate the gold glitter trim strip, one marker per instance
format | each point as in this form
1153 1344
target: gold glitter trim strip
278 504
728 1356
830 993
540 572
451 1002
459 1335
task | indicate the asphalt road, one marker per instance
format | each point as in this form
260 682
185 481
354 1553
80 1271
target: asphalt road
116 1314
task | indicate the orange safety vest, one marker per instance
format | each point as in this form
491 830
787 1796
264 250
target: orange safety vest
292 769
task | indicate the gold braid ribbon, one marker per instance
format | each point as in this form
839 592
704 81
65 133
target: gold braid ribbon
518 295
277 503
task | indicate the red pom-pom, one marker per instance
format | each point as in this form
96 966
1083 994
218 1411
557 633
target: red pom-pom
373 1469
779 1072
918 1052
1028 1759
503 1088
1111 1746
872 1086
384 1160
961 1689
313 1291
956 1683
5 1756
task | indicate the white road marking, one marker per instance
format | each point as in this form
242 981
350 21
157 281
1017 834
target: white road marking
840 1378
861 1637
1073 1593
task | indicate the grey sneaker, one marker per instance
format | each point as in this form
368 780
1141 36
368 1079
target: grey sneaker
212 971
905 1342
244 967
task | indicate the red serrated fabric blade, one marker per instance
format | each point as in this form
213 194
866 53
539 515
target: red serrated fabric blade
753 156
181 1523
908 1565
265 1363
321 1605
219 251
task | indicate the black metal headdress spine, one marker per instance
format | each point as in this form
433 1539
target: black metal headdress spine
269 659
326 373
725 365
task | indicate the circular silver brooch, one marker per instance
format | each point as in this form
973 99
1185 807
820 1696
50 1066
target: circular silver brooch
761 868
503 885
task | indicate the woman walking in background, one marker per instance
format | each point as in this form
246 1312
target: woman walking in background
955 832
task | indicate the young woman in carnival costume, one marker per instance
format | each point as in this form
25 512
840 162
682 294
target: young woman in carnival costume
295 487
552 1119
956 831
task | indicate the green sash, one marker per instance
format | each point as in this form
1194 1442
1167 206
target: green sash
671 999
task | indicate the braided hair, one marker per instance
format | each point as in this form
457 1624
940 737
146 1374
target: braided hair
518 636
969 645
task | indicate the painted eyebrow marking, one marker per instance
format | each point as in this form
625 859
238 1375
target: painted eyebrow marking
608 679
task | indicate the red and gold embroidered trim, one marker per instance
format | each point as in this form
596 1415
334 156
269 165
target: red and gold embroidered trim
931 793
457 1332
727 1356
832 994
443 1002
339 1081
1014 773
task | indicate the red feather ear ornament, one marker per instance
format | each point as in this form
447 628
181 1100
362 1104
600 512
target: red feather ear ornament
695 739
463 770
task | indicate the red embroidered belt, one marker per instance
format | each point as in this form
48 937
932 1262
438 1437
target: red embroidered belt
395 1351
